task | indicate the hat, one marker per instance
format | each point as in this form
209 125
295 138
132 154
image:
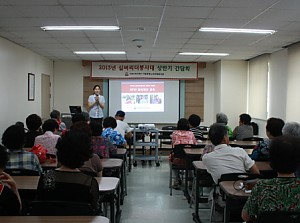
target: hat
120 113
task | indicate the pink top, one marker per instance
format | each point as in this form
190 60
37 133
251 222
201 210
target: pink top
47 140
183 137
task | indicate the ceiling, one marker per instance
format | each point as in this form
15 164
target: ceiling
151 30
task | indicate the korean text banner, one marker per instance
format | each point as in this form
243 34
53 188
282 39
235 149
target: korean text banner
140 70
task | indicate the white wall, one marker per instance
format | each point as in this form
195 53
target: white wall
15 63
68 84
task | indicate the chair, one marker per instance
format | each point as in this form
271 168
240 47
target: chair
181 165
278 217
60 208
229 177
165 137
255 128
22 172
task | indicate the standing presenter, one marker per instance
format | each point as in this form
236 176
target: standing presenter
96 103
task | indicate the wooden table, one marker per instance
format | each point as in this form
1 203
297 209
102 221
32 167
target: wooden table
200 170
53 219
107 185
232 195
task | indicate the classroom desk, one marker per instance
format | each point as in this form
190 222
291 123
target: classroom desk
53 219
107 186
200 170
116 165
232 195
122 154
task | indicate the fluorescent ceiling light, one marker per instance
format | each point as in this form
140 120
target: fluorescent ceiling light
231 30
99 52
64 28
203 54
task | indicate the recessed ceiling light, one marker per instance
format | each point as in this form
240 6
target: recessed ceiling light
203 54
64 28
232 30
99 52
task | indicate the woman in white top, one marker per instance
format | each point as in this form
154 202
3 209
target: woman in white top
96 103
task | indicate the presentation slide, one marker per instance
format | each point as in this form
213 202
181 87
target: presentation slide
141 96
144 101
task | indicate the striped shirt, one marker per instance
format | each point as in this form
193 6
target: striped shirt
197 132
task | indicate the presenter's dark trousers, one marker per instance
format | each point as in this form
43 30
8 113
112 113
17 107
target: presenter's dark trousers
97 120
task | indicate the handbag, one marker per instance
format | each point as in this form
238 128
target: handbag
40 152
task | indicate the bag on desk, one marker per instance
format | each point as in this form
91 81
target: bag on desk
40 152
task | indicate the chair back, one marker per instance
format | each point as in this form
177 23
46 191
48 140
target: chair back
254 138
21 172
60 208
278 217
238 176
255 128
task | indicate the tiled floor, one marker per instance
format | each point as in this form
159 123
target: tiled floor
149 200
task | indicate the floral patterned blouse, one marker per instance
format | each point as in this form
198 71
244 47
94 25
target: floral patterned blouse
277 194
183 137
103 147
114 137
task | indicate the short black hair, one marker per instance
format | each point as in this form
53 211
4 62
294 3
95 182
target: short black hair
13 137
245 118
82 126
109 122
55 114
274 126
50 125
217 132
33 122
96 128
284 154
120 113
183 124
194 120
3 157
73 149
97 85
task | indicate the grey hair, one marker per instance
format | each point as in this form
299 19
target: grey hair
291 128
222 118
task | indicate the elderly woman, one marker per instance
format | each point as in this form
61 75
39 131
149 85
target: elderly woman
273 129
291 128
281 193
222 119
68 183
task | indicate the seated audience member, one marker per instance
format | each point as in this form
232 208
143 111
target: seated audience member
181 136
10 202
33 123
273 129
292 129
93 166
13 140
100 145
49 139
86 116
195 121
109 124
56 115
222 119
244 130
223 158
281 193
68 183
122 127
